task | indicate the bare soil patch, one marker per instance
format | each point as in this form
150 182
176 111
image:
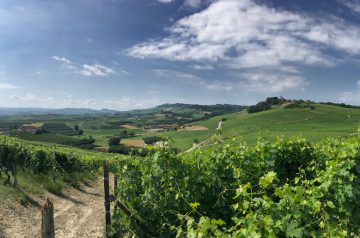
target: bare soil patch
78 213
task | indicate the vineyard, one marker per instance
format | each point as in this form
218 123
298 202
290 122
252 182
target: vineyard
50 163
289 188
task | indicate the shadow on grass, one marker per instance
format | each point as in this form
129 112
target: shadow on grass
2 233
73 200
90 193
25 200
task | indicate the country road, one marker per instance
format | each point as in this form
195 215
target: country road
78 213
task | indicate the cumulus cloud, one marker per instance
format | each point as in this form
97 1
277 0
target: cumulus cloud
4 86
247 29
194 80
244 35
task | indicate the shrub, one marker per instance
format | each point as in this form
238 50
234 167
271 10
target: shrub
151 140
114 141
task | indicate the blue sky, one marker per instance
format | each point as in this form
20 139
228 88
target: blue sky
125 54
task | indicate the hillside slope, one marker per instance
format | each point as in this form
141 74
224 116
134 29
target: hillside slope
325 121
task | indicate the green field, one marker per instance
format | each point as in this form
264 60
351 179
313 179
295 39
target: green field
325 121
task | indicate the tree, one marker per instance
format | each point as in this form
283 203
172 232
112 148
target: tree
114 141
76 127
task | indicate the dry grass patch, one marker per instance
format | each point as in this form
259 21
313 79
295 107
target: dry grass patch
195 128
134 143
129 127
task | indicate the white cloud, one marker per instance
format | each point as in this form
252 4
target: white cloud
7 86
122 103
202 67
183 77
27 98
165 1
193 3
61 59
195 80
272 82
353 5
351 97
236 31
126 103
86 69
244 35
96 69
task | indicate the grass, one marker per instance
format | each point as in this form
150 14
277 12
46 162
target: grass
324 121
52 138
36 184
314 125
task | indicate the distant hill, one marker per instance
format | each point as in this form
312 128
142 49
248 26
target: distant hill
214 110
315 122
8 111
182 108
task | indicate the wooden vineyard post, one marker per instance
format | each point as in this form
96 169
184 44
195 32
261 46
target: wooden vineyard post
47 222
115 183
107 194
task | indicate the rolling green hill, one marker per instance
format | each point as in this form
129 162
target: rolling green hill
313 122
322 122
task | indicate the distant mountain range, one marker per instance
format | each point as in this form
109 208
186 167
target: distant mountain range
176 107
8 111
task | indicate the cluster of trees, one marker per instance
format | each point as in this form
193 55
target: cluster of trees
274 101
267 104
340 105
114 141
300 104
126 134
219 109
151 139
79 131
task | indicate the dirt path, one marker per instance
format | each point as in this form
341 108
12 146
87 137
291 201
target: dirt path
79 213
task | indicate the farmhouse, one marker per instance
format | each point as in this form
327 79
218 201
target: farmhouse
31 128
